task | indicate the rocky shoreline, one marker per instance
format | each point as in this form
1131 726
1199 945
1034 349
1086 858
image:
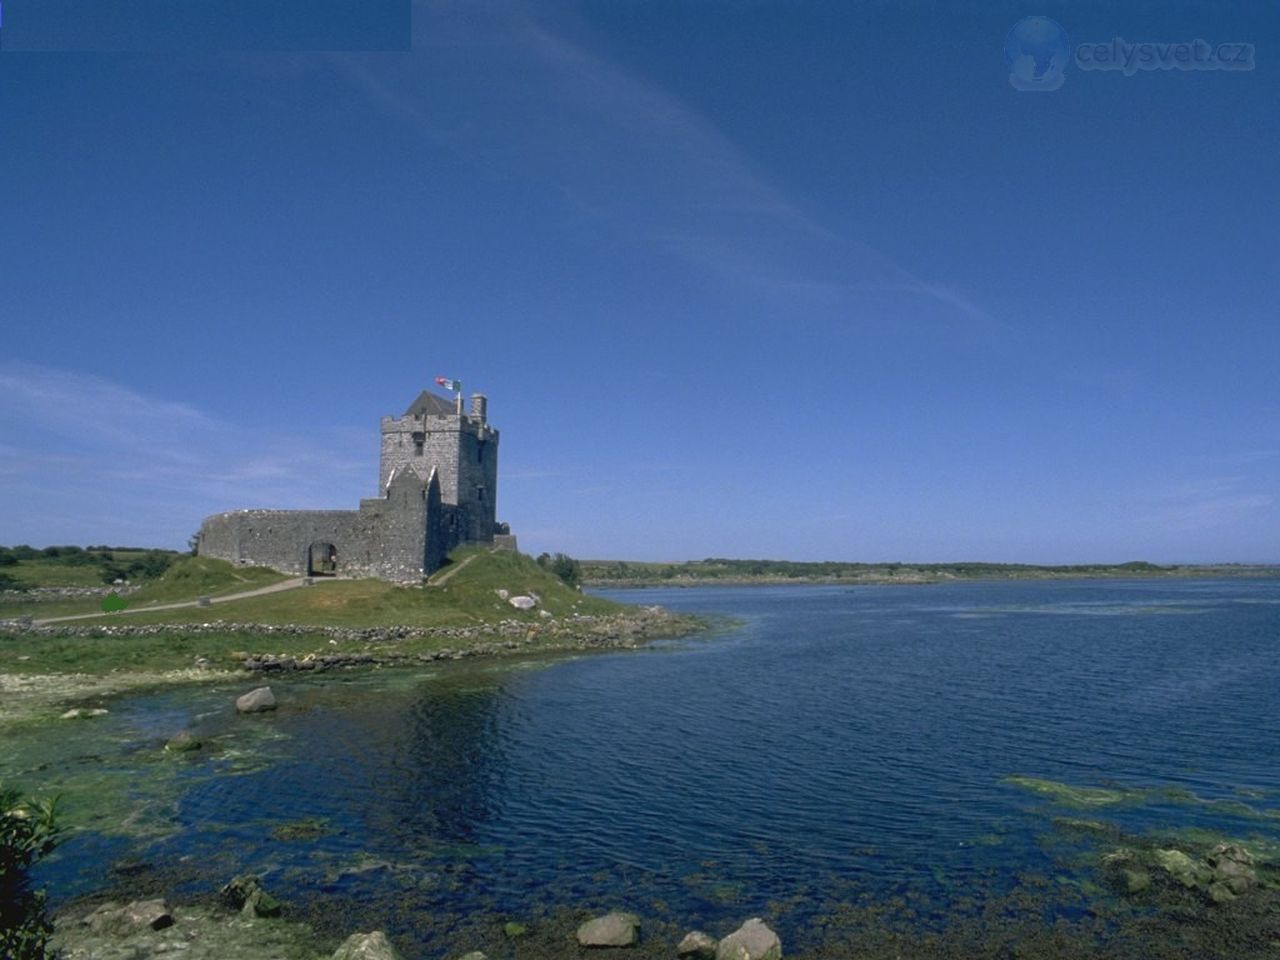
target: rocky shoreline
34 692
596 630
247 924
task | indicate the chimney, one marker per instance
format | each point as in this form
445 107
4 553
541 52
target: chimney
479 407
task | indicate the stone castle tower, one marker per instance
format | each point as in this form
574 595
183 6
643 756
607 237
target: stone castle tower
437 489
462 449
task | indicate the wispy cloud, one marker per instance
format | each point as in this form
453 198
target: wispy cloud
513 95
111 461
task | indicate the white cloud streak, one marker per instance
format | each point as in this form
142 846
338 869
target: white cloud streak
501 90
83 458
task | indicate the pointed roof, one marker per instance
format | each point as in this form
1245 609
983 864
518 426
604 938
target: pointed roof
431 404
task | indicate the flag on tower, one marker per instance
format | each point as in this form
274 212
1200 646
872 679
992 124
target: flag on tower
454 385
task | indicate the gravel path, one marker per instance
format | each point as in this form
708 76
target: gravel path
273 588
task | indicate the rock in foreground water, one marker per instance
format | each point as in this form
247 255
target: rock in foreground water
122 921
697 946
246 895
751 941
182 742
614 929
256 701
367 946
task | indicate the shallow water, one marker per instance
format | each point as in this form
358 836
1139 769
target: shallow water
840 741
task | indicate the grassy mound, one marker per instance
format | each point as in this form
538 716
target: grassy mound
193 577
186 579
465 592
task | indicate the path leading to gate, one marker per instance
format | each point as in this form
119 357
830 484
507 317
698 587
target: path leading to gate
178 605
445 577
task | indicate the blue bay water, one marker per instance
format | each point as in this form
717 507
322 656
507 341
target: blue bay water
836 741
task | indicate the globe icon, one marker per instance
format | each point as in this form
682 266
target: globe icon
1037 52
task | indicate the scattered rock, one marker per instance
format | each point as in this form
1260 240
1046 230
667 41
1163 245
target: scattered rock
751 941
82 713
1232 867
182 743
614 929
256 701
367 946
240 656
698 946
545 614
523 603
474 955
502 595
245 894
112 920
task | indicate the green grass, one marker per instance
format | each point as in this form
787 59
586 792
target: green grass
187 579
714 570
468 598
193 577
58 572
51 573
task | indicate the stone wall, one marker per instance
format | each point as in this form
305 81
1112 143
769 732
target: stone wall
400 537
437 489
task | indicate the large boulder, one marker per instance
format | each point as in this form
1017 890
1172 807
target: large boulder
614 929
697 946
1233 872
751 941
367 946
123 921
256 701
523 603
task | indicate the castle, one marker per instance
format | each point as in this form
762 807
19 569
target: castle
437 484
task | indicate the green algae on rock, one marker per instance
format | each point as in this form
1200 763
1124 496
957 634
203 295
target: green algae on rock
196 933
1068 795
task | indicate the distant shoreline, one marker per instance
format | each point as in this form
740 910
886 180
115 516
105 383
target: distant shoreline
714 573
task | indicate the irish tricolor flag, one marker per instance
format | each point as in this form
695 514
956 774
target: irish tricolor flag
454 385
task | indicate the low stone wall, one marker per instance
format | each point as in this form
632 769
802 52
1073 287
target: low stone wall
51 594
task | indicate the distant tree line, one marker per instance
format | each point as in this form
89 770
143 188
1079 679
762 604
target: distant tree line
113 563
719 568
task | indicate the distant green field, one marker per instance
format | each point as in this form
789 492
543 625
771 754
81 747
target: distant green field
185 578
713 569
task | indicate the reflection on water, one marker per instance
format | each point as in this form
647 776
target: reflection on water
840 741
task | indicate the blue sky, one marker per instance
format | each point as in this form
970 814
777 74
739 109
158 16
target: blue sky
740 278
